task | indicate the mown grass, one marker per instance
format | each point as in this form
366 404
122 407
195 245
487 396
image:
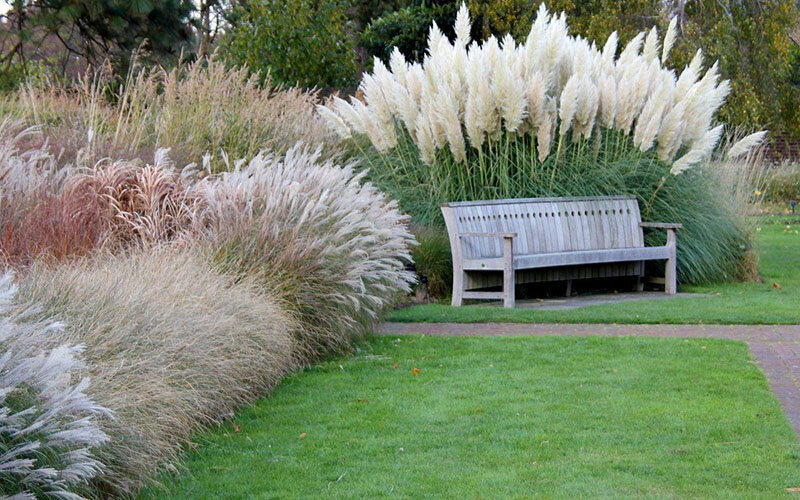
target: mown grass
778 245
507 418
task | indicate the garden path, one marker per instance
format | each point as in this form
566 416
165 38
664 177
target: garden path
775 348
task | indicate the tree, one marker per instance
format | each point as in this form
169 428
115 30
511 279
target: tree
407 29
751 39
96 30
297 42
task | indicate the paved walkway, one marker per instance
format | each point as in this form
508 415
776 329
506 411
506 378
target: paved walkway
776 348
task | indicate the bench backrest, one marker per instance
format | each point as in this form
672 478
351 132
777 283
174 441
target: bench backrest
544 225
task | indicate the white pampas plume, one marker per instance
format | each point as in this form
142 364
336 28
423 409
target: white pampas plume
350 115
509 94
650 50
670 137
535 92
435 37
447 111
334 121
669 39
701 150
568 104
588 102
405 106
463 25
631 51
608 100
545 132
690 74
610 51
399 66
746 144
425 140
416 79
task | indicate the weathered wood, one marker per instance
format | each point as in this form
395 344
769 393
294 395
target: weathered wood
508 271
661 225
549 239
671 271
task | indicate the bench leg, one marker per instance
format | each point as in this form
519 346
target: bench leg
640 278
569 288
458 288
671 274
508 274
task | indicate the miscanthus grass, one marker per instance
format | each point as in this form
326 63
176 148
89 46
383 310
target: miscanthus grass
196 108
333 246
552 115
49 430
172 345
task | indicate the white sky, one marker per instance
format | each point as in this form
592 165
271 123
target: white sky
4 6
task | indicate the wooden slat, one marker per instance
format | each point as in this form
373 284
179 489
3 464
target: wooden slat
590 257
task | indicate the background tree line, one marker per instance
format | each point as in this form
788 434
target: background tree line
327 43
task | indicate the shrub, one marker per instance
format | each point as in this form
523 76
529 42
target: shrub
172 346
405 30
332 246
553 116
297 42
782 183
432 259
48 425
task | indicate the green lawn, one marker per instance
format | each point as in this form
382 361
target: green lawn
507 418
747 303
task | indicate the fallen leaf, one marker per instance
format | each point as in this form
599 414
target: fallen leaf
415 371
394 366
775 285
302 435
237 428
793 490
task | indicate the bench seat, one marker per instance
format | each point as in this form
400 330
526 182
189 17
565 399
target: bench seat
516 236
580 257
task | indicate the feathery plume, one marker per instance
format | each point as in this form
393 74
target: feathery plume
669 39
463 25
746 144
700 151
569 103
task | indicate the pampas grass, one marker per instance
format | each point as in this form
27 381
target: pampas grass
492 86
172 345
554 115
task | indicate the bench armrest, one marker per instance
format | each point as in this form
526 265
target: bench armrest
487 235
661 225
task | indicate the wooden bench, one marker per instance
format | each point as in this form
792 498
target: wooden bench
550 239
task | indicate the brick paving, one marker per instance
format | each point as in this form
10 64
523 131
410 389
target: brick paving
775 348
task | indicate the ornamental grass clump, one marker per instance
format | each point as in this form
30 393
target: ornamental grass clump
173 346
196 108
37 219
49 426
551 115
333 247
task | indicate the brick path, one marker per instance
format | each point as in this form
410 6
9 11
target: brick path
776 348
